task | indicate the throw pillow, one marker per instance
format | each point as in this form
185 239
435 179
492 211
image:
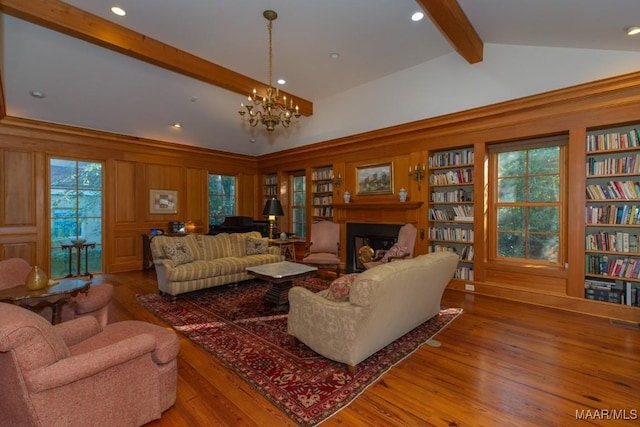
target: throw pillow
257 246
178 252
395 251
339 288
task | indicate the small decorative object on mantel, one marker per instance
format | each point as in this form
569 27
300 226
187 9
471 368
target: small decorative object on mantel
346 196
402 195
36 279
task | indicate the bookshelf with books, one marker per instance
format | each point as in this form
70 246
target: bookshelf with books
612 215
451 226
322 193
270 186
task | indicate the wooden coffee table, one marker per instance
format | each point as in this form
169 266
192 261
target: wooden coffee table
281 276
55 296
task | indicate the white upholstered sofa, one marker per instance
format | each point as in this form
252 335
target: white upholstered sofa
383 304
193 262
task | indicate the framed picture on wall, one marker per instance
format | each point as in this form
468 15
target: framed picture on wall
163 201
375 179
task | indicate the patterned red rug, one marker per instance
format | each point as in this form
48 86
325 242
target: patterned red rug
250 337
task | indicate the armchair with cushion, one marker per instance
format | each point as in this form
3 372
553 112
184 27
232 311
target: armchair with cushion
96 303
323 249
79 374
403 248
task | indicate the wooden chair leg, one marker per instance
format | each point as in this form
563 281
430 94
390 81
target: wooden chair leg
353 369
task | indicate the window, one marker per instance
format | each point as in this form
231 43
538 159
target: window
222 198
527 201
298 204
75 212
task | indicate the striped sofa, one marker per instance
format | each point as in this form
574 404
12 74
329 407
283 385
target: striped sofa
193 262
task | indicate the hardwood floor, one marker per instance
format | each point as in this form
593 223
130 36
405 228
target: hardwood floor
501 363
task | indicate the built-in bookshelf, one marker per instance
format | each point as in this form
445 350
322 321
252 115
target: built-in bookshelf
270 186
322 193
612 214
451 207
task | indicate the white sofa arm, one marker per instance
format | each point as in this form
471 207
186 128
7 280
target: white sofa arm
324 325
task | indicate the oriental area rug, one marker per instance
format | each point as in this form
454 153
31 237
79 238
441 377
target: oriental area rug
250 337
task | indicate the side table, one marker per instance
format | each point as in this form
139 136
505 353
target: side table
287 247
79 247
54 296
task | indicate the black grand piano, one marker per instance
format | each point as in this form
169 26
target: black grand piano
240 224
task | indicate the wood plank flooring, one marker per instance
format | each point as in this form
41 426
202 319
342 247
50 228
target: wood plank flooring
501 363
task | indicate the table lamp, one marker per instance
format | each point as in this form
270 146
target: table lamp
272 208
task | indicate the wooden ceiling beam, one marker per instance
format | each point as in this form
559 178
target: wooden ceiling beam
453 23
69 20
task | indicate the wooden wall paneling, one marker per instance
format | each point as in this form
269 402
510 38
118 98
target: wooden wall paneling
480 210
125 195
19 188
196 198
249 195
576 211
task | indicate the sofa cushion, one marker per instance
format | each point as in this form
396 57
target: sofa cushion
239 242
339 288
257 246
194 271
395 251
178 252
214 247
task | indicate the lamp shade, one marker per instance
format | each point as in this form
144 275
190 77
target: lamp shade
272 208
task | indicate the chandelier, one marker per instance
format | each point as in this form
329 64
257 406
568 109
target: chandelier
271 110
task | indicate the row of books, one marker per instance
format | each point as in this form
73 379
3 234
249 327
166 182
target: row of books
460 176
464 273
613 166
320 174
465 255
323 187
618 267
618 241
271 180
622 190
323 211
612 214
451 158
460 195
448 233
270 191
323 200
612 140
600 290
457 213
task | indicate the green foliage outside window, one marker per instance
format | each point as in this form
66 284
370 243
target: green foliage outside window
222 198
528 204
298 208
75 202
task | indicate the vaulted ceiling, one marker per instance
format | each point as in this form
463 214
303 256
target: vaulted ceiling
194 61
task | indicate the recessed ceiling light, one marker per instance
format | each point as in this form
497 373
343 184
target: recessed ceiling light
632 31
417 16
281 81
252 140
335 55
176 125
37 94
118 11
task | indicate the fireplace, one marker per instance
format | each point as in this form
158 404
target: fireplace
376 236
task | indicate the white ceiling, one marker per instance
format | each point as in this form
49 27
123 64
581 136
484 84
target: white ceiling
91 87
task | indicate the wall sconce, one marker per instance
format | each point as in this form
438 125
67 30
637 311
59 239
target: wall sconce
417 174
337 181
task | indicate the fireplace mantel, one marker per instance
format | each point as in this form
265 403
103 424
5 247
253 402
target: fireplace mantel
377 212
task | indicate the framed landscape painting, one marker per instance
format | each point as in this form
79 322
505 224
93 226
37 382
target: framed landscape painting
375 179
163 201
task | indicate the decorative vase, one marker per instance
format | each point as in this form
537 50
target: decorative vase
402 195
283 236
346 196
36 279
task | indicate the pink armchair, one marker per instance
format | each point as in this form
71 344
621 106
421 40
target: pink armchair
323 249
79 374
402 249
96 303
